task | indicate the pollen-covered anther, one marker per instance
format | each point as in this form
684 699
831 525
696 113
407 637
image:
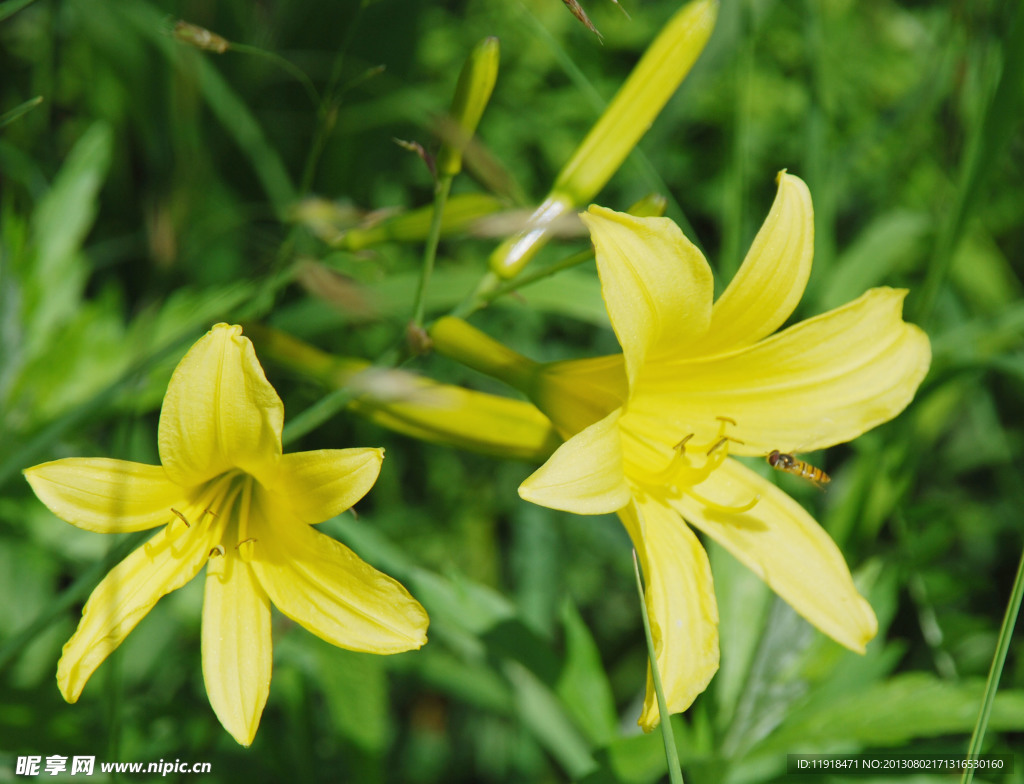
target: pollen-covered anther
720 441
681 476
682 444
181 517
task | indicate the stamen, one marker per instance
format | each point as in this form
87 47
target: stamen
218 550
721 441
182 517
250 540
682 444
680 473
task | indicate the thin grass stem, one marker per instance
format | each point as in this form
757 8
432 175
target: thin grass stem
441 191
996 670
675 773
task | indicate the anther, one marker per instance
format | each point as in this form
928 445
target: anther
181 517
251 540
218 550
721 441
730 420
717 444
682 443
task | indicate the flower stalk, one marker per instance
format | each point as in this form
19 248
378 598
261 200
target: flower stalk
476 82
227 498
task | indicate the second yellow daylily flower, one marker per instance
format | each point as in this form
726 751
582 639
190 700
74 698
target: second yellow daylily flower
649 432
703 380
228 498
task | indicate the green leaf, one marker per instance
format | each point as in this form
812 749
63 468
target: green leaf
583 684
12 7
889 243
8 117
638 759
56 276
914 705
540 710
356 687
743 604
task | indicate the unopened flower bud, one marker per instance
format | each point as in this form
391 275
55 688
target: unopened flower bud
471 96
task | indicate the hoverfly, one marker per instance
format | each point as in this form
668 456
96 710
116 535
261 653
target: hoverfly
781 461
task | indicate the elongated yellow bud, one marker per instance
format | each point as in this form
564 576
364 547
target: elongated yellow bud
464 343
334 224
200 37
418 407
640 99
476 81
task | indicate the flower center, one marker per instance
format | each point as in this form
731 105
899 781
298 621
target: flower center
221 510
692 463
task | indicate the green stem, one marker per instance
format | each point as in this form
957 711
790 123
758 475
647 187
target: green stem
327 116
328 113
283 63
8 117
318 413
987 142
481 296
491 286
441 190
525 280
675 773
996 670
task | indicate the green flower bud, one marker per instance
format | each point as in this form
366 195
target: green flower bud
471 96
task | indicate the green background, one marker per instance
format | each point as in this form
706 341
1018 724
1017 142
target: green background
151 194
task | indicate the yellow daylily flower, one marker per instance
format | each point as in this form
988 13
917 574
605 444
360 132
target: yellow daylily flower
229 499
649 432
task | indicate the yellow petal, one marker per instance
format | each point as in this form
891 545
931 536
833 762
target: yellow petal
577 393
680 602
771 280
106 496
319 485
220 412
821 382
584 475
166 562
657 286
322 585
786 548
237 645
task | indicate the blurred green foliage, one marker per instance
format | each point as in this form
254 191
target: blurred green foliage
152 192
